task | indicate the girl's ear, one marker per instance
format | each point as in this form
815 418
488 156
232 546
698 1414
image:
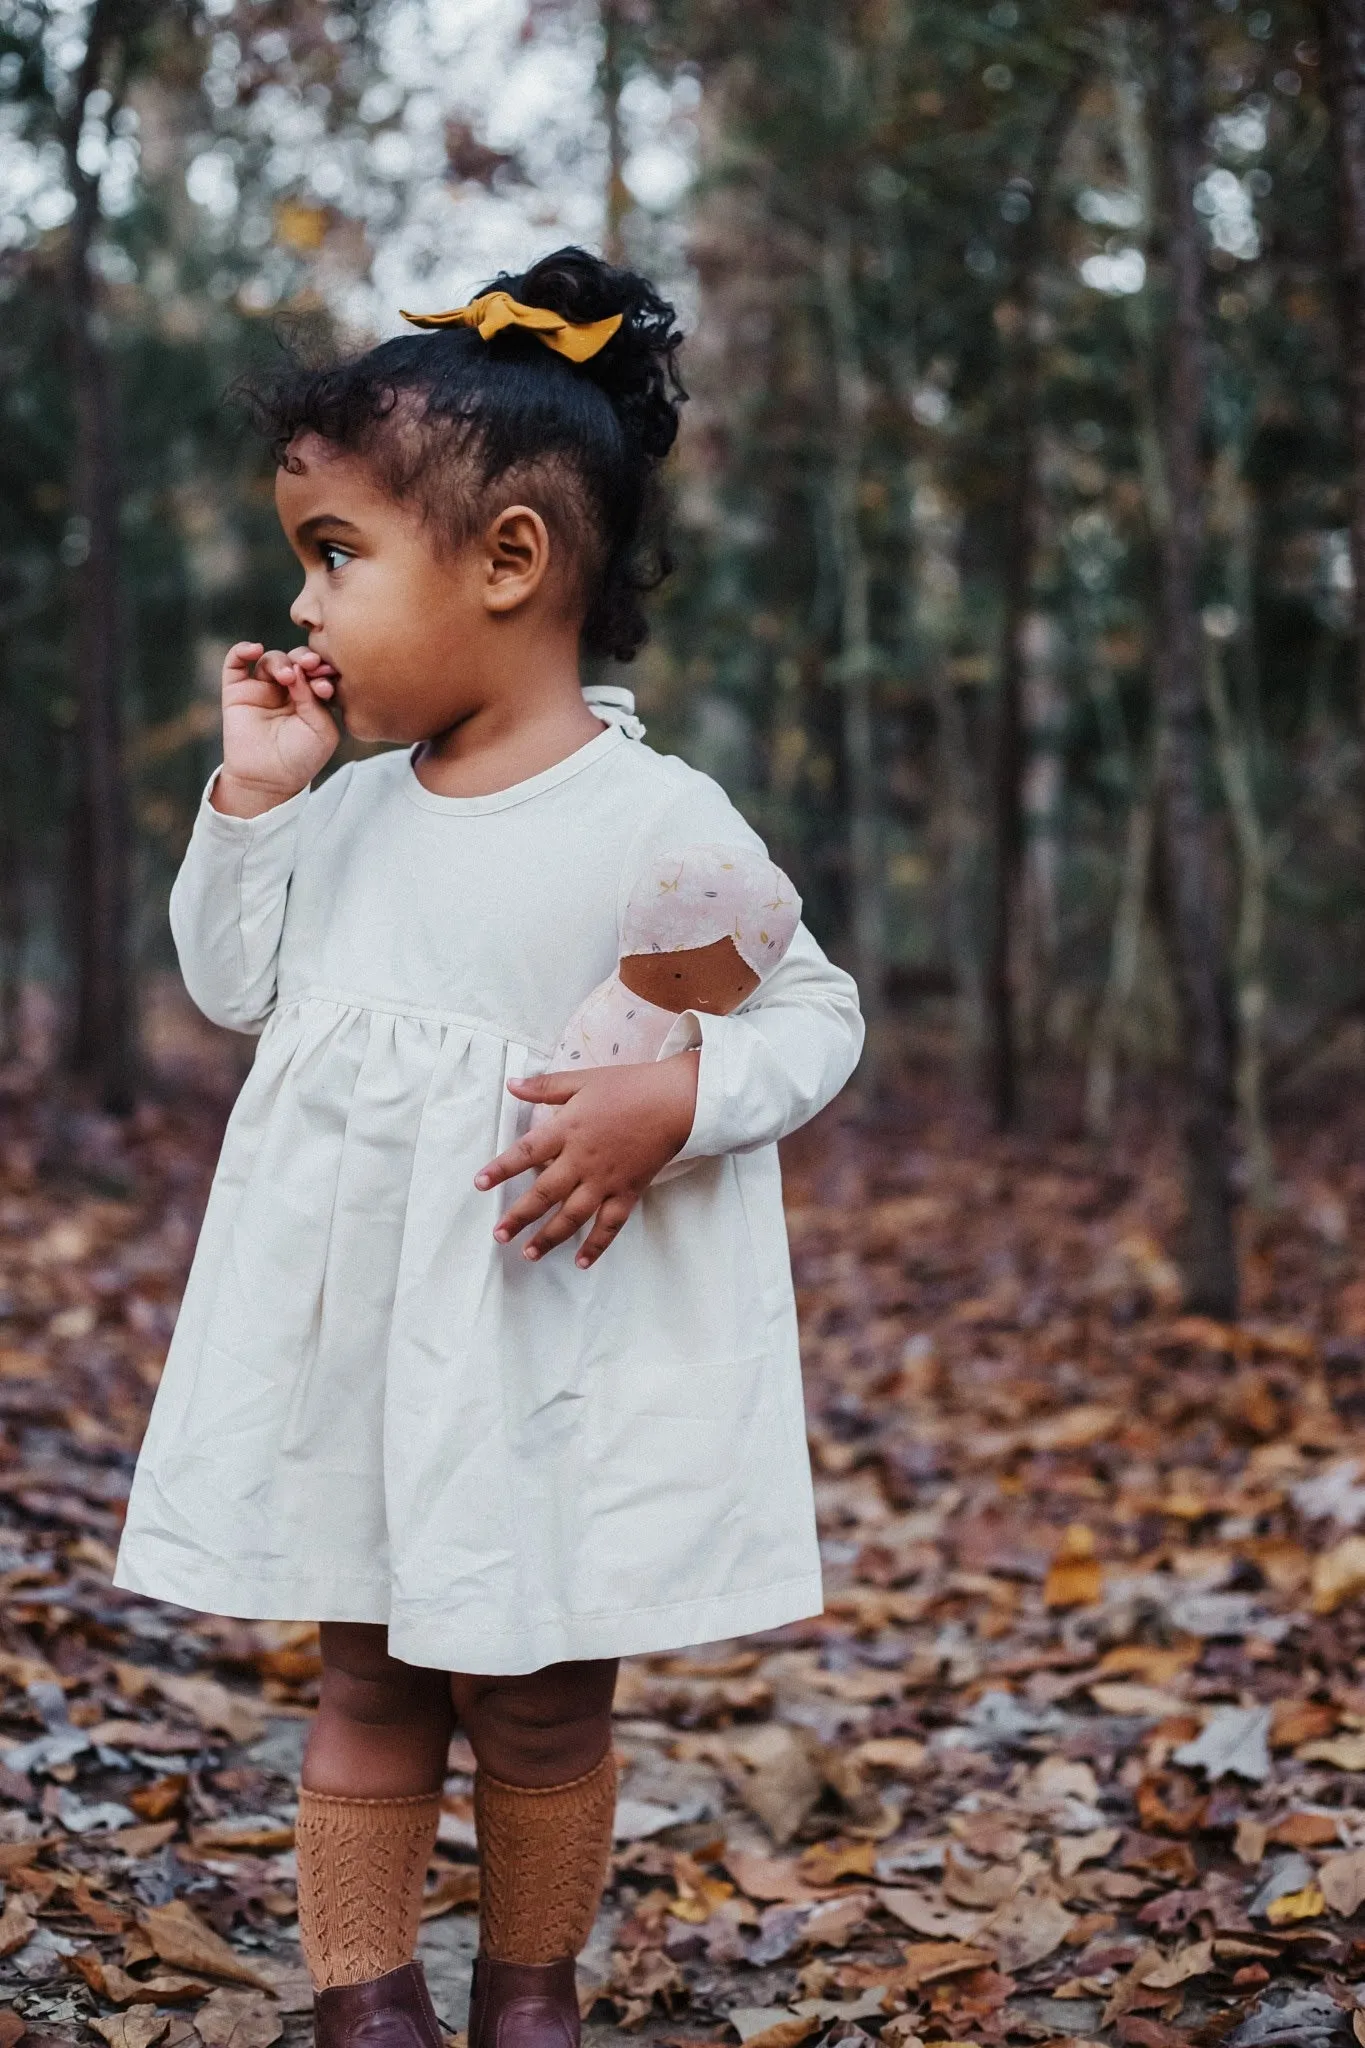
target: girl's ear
516 558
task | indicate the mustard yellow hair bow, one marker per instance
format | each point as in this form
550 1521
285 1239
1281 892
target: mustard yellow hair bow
496 311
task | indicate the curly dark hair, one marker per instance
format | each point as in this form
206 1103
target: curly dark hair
452 423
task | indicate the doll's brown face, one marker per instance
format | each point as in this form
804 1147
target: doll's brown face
711 978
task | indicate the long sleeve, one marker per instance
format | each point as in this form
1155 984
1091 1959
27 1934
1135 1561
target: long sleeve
774 1063
227 910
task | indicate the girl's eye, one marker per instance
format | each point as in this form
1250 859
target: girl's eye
332 557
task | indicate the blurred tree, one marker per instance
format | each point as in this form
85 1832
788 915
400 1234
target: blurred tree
1342 27
1187 871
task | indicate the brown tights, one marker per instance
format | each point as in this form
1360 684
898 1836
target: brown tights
372 1776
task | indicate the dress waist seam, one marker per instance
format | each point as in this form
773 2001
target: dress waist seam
419 1013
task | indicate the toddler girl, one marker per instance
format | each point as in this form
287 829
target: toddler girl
487 1474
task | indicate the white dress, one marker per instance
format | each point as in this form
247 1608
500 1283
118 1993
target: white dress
373 1412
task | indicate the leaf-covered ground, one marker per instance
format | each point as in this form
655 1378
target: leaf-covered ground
1076 1752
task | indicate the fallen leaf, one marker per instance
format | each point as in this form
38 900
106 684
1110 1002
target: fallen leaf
898 1753
1339 1575
1307 1904
1075 1429
826 1862
1296 1721
238 2019
14 1855
930 1917
163 1796
987 1887
1305 1831
986 1834
178 1935
1249 1842
1194 1961
1145 1662
1074 1851
769 1879
139 1842
1075 1577
775 1776
699 1894
1342 1879
13 2027
1343 1753
784 2033
17 1925
1119 1696
139 2027
1234 1743
253 1832
212 1705
929 1962
1027 1929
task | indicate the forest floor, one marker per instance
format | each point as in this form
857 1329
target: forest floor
1075 1754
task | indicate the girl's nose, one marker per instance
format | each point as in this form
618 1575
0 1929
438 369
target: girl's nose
304 611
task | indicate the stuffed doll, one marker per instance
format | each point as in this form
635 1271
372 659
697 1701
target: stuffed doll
701 931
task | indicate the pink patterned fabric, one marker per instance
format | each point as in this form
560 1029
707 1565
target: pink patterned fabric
707 893
682 901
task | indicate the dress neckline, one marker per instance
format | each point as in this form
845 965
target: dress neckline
518 792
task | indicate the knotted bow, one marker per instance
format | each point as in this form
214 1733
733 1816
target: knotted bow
614 706
497 311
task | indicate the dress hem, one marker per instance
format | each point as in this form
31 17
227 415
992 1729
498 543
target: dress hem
445 1645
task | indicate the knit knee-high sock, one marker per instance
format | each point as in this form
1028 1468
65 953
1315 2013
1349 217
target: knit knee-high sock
543 1862
361 1866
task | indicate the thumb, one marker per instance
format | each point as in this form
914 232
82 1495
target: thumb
557 1088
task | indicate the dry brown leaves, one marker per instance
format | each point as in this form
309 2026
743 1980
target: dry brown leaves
1076 1752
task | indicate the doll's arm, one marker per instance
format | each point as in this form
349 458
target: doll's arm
227 909
775 1064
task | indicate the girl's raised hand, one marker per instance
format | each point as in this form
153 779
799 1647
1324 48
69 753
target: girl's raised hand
276 733
616 1128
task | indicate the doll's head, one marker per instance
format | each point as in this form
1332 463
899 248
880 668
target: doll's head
705 926
471 474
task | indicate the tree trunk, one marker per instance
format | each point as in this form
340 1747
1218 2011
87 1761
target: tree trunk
1023 533
612 80
1183 842
1125 948
855 651
11 919
99 848
1342 29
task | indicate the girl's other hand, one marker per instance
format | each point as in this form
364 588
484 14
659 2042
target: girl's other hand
616 1128
276 733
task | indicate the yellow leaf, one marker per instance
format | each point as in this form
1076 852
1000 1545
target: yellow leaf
698 1894
1304 1905
827 1862
1076 1577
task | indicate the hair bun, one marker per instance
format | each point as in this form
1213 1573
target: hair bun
637 369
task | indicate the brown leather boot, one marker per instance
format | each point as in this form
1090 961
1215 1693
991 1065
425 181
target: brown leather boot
392 2011
523 2005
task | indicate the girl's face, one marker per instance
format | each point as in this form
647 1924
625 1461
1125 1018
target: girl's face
402 624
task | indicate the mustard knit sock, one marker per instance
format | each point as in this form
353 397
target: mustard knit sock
361 1866
543 1857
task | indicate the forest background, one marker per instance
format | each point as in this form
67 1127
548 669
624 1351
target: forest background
1019 509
